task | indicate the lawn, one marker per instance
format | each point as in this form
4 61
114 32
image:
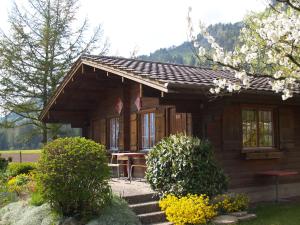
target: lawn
31 151
276 214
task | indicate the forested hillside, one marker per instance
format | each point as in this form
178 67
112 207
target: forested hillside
225 34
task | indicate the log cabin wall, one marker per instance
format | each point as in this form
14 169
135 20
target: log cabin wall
167 120
222 125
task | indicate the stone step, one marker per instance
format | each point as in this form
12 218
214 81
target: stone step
225 220
246 217
162 223
146 207
136 199
153 217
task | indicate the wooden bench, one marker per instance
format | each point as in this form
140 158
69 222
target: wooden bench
277 174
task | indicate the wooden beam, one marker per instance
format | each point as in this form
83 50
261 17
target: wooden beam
141 90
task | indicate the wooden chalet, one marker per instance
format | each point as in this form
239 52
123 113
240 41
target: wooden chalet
130 104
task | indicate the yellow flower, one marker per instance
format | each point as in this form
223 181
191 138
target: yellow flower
190 209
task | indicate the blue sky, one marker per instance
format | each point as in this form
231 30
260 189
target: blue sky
149 25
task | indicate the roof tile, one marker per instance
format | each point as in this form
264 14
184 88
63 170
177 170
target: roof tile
173 73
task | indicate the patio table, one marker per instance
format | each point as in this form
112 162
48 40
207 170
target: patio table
129 156
277 174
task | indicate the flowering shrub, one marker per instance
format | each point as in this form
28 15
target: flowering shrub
269 47
228 204
182 165
191 209
18 184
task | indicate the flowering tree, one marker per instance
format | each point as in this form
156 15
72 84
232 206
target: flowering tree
269 47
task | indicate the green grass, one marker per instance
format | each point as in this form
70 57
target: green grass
276 214
31 151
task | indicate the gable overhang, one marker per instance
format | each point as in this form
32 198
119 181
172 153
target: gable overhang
79 65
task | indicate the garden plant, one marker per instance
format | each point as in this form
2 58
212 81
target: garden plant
182 165
73 176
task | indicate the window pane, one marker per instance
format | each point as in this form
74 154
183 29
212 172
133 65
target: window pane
152 129
265 129
117 133
145 129
114 133
249 128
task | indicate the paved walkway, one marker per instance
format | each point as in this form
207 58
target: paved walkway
124 188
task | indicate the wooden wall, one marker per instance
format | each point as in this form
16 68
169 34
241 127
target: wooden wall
167 120
223 128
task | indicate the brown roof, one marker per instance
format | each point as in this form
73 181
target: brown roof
165 77
167 73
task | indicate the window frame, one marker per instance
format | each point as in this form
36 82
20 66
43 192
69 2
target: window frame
117 133
257 109
141 128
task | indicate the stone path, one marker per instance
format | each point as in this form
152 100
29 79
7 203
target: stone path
123 187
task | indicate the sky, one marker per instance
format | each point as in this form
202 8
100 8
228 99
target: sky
146 26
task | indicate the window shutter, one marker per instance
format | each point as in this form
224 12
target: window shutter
189 124
160 130
103 131
133 132
286 128
96 130
232 132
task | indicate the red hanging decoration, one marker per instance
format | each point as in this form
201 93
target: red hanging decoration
138 103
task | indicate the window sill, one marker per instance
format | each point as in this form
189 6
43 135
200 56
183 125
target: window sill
275 154
260 149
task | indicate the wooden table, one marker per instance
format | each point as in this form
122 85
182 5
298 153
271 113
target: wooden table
129 156
277 174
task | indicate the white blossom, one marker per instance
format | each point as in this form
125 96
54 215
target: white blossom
201 51
276 42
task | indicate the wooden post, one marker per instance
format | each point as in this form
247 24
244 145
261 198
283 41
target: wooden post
20 156
82 69
141 90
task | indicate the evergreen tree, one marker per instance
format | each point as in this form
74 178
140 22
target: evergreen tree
39 48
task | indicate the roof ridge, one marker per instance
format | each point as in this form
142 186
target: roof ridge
150 61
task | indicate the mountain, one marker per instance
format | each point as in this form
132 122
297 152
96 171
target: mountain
225 34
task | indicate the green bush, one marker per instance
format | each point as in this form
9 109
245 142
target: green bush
231 203
3 164
182 165
73 175
16 168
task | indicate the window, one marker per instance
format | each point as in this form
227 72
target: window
257 128
114 133
148 130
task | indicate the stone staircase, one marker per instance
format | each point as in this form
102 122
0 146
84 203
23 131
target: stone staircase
147 209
